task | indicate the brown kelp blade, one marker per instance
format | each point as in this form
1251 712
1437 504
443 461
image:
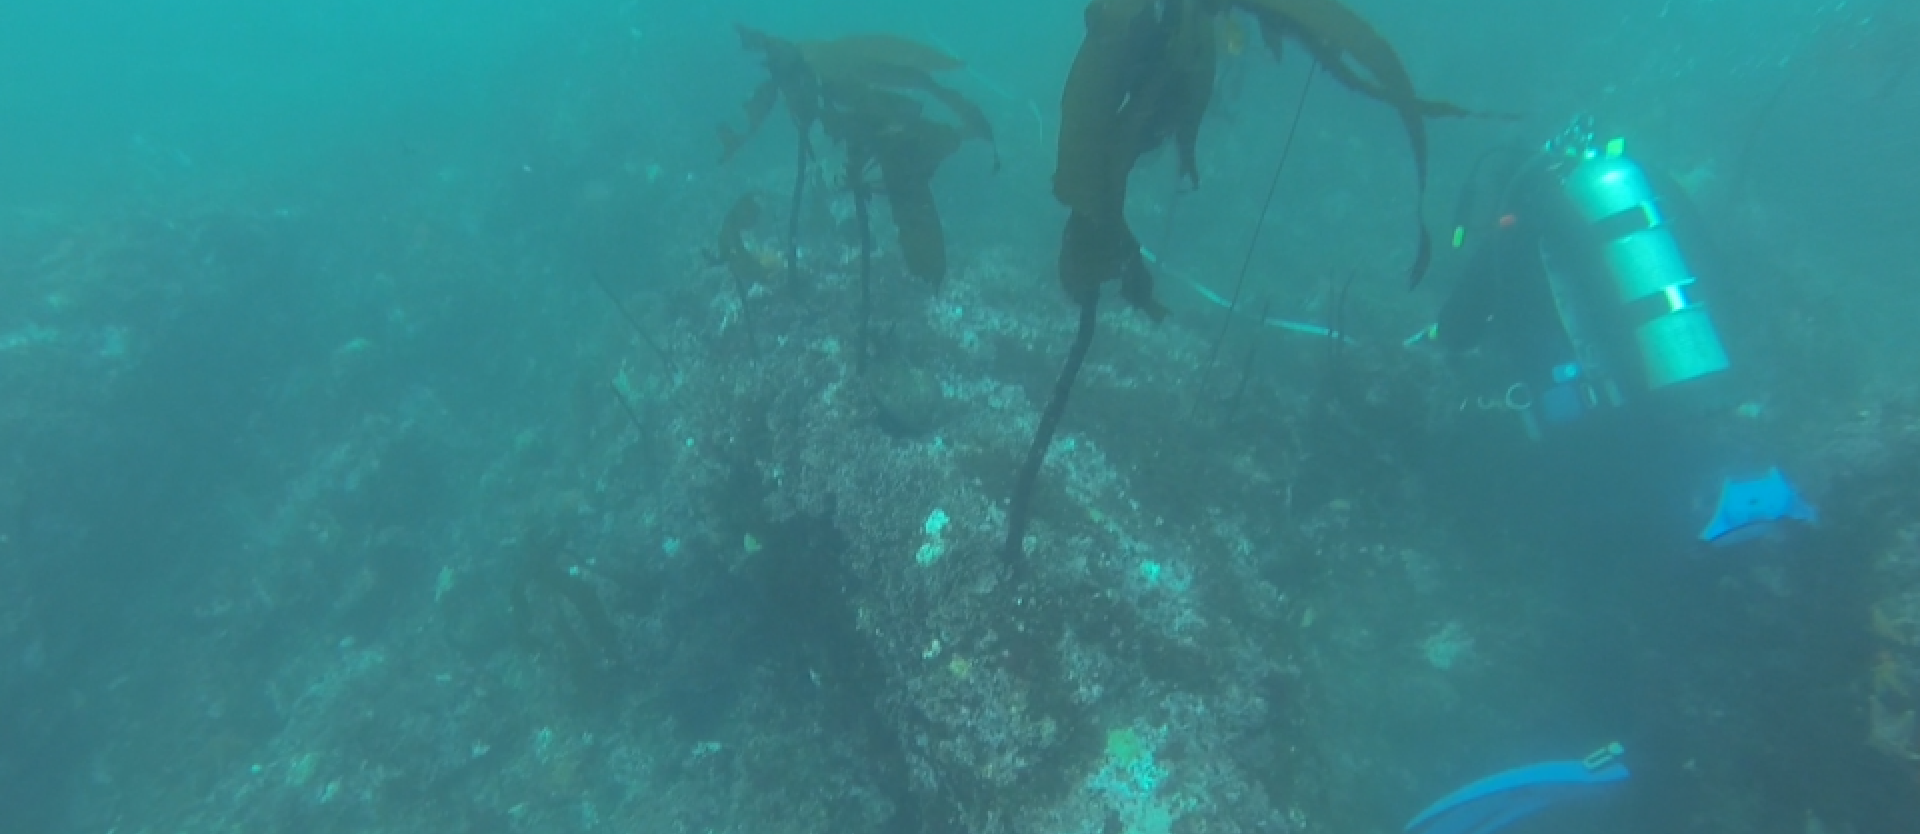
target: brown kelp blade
757 109
1356 56
862 91
1144 74
856 55
971 117
879 112
1347 44
1138 80
788 79
923 243
1096 249
731 249
1172 104
909 156
1091 168
1360 59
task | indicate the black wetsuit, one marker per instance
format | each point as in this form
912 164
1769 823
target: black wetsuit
1504 303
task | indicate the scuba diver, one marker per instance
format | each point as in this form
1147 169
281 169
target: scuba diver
1583 315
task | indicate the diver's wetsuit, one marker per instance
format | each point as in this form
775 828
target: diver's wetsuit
1648 466
1504 302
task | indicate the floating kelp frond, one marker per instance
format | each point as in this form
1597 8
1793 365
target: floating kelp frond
743 263
730 248
908 158
788 79
814 75
852 70
856 55
1144 74
1355 55
861 91
1095 249
971 117
887 130
1363 61
757 107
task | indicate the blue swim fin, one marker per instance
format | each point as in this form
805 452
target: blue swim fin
1749 509
1499 800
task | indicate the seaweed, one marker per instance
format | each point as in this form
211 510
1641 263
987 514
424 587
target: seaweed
1358 57
741 262
788 80
1139 79
730 246
861 91
1020 510
885 131
1144 76
558 613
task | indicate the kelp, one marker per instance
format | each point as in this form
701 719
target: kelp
730 246
558 614
868 107
731 250
1138 80
861 91
866 57
1350 50
1354 54
1144 76
885 131
788 80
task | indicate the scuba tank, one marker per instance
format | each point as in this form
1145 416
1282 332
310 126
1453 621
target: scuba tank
1613 313
1646 280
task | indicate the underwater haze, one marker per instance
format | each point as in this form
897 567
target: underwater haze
1049 417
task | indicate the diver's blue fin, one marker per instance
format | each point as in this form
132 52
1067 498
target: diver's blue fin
1750 508
1496 801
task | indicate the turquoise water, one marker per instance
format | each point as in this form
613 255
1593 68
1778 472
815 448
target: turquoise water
393 437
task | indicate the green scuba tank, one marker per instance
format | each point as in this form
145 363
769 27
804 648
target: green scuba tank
1648 277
